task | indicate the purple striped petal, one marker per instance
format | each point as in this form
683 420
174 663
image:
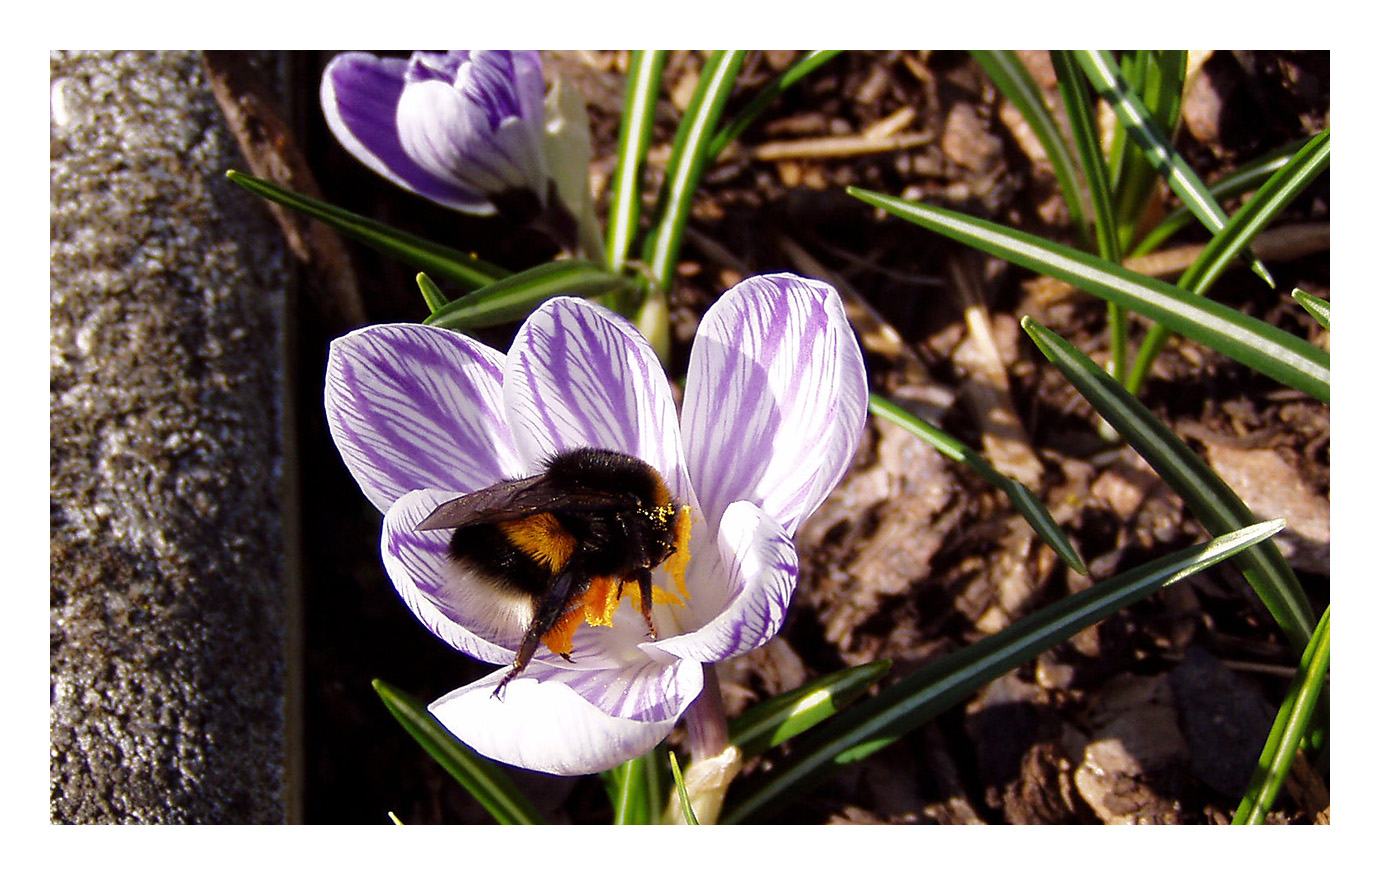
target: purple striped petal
442 66
529 84
568 723
427 579
775 399
581 376
416 407
360 94
476 118
449 137
757 563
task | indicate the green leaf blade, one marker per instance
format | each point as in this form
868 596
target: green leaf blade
1140 125
1007 72
433 296
514 297
688 162
921 696
1277 193
770 92
769 723
1083 127
634 789
1021 497
1290 726
1320 309
686 810
1244 178
452 265
1256 344
634 136
485 780
1082 114
1214 504
1156 78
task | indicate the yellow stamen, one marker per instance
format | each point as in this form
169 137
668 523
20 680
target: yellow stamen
659 597
600 602
675 565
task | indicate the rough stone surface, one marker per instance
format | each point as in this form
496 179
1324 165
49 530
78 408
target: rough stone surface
167 550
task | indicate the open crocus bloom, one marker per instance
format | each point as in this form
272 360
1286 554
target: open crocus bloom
775 402
462 128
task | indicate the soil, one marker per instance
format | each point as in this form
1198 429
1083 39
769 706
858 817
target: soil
1154 715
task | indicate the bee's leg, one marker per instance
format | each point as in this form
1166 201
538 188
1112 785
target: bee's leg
644 592
565 587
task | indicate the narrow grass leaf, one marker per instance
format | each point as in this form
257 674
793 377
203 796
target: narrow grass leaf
1119 151
1156 77
1256 344
484 780
782 717
449 264
687 163
1082 114
1141 127
1021 497
629 788
686 810
1244 178
1009 74
771 91
1277 193
1290 726
431 293
921 696
1319 308
634 136
1215 505
513 297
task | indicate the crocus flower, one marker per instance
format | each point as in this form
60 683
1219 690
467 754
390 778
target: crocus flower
462 128
775 401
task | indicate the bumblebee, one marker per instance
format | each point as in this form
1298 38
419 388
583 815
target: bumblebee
546 552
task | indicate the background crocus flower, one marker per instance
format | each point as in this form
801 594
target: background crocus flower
774 406
462 128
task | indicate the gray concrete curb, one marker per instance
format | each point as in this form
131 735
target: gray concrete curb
170 557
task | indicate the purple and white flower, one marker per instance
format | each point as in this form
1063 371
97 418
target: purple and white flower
774 406
462 128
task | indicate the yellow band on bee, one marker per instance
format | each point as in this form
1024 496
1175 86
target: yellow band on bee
542 537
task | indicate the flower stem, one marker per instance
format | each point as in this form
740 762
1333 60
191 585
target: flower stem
714 762
705 722
653 319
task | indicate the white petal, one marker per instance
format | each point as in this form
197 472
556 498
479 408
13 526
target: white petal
775 398
757 562
579 375
571 723
456 610
416 407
